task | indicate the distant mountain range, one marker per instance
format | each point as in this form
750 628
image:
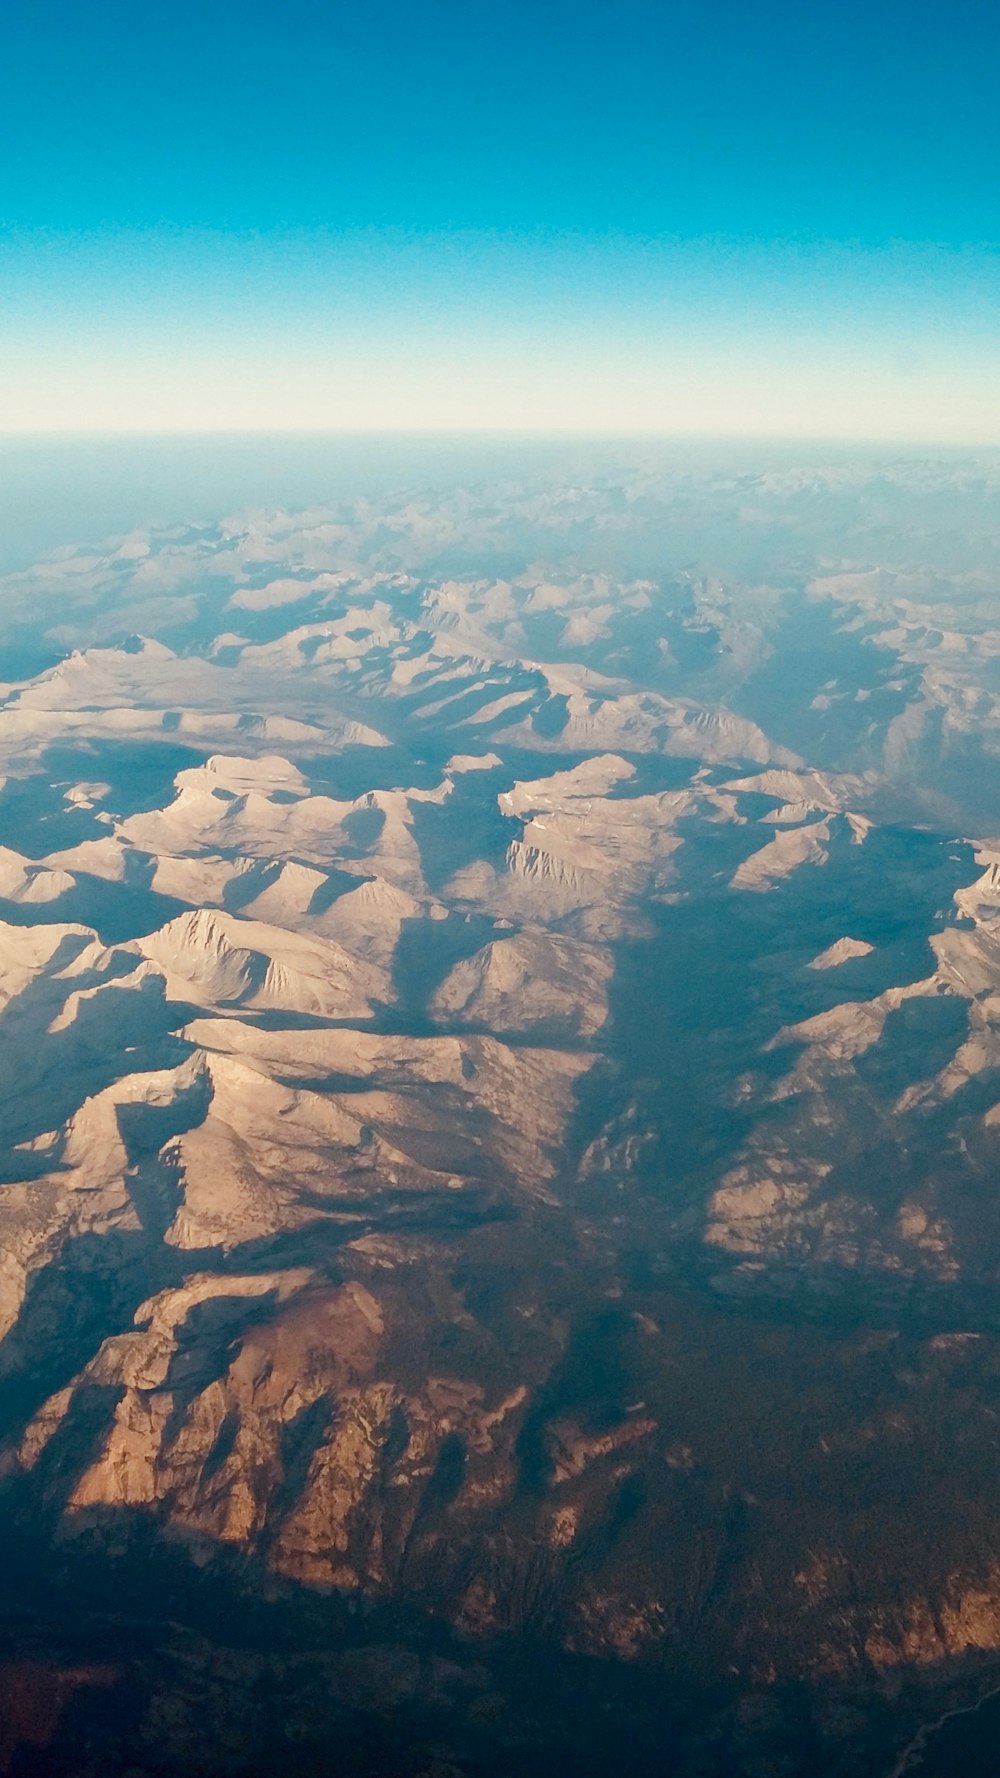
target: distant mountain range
499 1129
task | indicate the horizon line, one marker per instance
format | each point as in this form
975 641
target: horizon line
555 435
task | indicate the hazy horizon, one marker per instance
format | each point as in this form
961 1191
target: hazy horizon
58 491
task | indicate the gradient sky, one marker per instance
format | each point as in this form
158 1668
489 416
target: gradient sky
717 217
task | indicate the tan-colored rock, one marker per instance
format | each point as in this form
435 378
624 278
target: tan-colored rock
843 950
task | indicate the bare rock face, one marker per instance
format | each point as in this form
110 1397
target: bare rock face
535 982
498 1234
843 950
212 959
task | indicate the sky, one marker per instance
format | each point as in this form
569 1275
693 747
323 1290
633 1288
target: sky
719 218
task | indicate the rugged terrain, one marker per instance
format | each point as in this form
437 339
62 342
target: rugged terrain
500 1083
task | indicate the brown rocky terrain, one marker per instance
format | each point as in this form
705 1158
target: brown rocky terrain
500 1110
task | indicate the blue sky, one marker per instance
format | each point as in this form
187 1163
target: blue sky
718 217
